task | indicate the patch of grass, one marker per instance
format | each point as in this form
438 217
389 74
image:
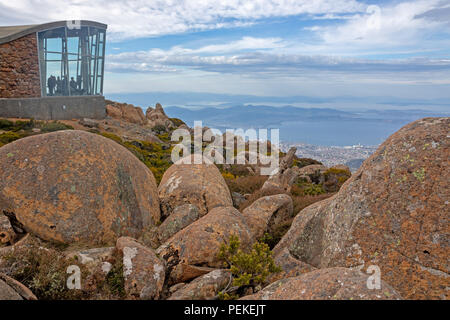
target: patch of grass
24 128
42 270
10 136
54 126
5 124
115 280
112 136
177 122
159 129
42 267
244 185
153 155
312 189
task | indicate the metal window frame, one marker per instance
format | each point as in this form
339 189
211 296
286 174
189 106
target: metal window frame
94 85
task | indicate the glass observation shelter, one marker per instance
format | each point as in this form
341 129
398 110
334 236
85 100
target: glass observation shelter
72 59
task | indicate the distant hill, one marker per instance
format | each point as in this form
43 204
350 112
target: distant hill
265 116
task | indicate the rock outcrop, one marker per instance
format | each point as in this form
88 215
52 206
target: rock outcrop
326 284
144 272
129 131
199 243
392 213
74 186
266 212
285 176
201 185
157 117
181 217
313 173
205 287
126 112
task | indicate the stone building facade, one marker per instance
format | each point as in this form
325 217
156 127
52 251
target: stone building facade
19 68
53 71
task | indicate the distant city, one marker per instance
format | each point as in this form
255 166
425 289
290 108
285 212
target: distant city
352 156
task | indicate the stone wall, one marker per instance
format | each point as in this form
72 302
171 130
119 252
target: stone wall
19 68
54 108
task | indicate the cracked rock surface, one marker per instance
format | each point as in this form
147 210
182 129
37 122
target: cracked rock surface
201 185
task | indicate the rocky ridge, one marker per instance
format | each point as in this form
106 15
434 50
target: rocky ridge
389 215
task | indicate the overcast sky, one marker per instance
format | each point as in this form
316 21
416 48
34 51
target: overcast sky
316 48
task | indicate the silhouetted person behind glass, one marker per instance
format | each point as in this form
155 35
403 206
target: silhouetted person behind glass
58 85
51 82
79 82
73 86
65 82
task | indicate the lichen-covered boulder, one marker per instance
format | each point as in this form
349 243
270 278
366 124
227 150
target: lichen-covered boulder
181 217
74 186
144 272
205 287
327 284
290 266
267 212
201 185
392 213
312 173
199 243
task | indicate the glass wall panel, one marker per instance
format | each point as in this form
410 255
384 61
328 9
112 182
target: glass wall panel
72 61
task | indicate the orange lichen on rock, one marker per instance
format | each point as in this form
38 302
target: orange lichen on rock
74 186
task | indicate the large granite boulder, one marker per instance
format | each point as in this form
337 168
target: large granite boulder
144 272
181 217
198 244
74 186
285 176
392 213
326 284
312 173
205 287
201 185
266 212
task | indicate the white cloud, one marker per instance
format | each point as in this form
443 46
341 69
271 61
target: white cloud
262 58
140 18
388 27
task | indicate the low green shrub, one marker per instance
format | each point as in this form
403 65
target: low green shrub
177 122
5 124
10 136
312 189
248 268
